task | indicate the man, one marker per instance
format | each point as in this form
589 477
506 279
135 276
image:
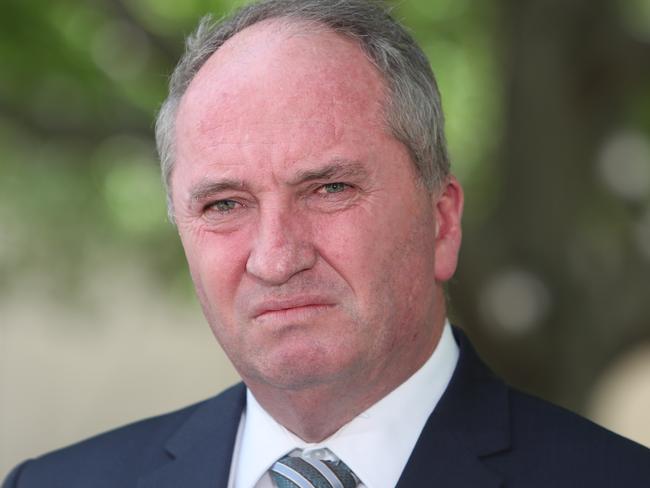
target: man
303 150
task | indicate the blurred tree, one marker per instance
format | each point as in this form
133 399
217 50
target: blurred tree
554 281
548 119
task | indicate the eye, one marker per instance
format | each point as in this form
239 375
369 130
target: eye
223 206
336 187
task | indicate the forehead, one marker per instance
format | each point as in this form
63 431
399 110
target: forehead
276 71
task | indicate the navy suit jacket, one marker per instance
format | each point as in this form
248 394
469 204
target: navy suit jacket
481 434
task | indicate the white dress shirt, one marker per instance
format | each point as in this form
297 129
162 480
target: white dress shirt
375 445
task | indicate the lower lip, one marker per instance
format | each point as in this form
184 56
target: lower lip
294 314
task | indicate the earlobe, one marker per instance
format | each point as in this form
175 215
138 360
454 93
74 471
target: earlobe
448 212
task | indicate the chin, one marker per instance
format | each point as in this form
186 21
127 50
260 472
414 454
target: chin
302 368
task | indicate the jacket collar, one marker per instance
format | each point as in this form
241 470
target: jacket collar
200 451
470 422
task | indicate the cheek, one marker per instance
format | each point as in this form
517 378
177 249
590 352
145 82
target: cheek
216 263
352 245
387 259
346 243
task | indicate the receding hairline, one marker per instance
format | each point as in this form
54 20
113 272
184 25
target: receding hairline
289 26
284 27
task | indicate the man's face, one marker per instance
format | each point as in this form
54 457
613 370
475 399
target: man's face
312 247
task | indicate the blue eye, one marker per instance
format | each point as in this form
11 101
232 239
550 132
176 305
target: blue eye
334 187
224 205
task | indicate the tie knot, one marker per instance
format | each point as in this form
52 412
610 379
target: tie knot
298 472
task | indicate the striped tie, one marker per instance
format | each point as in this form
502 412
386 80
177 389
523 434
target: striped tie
297 472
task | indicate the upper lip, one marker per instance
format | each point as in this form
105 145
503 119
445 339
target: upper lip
273 305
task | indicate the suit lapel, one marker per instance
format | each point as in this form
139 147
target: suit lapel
200 452
470 422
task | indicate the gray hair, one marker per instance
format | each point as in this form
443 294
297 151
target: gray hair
413 108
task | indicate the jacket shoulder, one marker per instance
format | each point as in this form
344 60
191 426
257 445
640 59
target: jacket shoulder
550 443
113 458
529 442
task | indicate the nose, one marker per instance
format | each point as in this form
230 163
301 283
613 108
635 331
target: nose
281 248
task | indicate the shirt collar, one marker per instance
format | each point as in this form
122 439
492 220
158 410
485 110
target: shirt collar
376 444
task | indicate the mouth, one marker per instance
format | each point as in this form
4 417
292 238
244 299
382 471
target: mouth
288 308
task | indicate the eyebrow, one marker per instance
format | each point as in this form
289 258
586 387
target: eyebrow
206 189
339 168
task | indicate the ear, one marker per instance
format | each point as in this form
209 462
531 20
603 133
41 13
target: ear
448 210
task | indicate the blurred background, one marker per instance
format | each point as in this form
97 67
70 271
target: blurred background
548 120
